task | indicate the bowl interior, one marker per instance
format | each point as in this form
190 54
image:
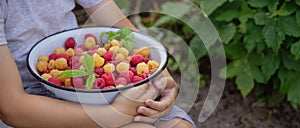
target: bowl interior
48 44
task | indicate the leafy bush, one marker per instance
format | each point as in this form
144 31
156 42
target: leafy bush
261 41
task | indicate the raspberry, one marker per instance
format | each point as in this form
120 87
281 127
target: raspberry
47 71
78 52
145 75
99 61
109 79
68 82
136 79
122 66
142 68
108 87
70 52
114 49
54 73
119 57
52 56
43 58
62 78
133 69
101 83
81 59
77 81
146 60
61 64
76 66
82 47
121 81
46 76
101 51
54 81
114 42
124 51
108 56
70 43
127 74
90 35
63 56
99 71
153 64
144 51
135 59
95 85
59 50
51 64
108 68
89 43
91 52
41 66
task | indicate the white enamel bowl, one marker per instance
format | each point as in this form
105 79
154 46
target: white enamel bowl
91 96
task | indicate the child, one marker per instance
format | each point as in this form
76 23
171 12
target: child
22 24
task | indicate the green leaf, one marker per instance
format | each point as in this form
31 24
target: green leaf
163 20
260 18
253 36
228 15
90 81
176 9
297 2
231 70
293 94
256 74
245 83
127 38
289 25
235 50
258 3
272 5
227 32
298 17
286 9
295 50
197 47
270 65
246 12
88 64
273 35
209 6
72 73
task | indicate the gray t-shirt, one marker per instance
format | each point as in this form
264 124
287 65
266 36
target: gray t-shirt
24 22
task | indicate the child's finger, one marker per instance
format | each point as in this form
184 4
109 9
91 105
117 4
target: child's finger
148 112
144 119
161 105
135 92
151 93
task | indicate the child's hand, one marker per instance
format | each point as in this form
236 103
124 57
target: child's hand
156 109
129 100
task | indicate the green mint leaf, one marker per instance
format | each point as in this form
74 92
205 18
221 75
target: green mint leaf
72 73
88 64
127 38
90 81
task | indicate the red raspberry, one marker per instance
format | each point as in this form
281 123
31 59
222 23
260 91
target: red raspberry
52 56
78 52
90 35
47 71
136 79
76 66
109 79
133 69
95 85
108 56
101 83
63 56
115 63
82 47
91 52
70 43
146 60
145 75
127 75
99 71
136 59
107 87
55 81
121 81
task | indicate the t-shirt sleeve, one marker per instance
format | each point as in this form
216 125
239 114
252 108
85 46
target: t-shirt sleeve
3 12
88 3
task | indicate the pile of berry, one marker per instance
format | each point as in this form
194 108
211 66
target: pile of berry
113 64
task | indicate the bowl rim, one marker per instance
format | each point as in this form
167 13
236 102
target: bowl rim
156 73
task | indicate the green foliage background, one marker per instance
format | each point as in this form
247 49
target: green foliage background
261 41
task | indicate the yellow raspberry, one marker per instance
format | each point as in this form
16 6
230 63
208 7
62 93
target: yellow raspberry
41 66
81 59
123 66
108 68
119 57
144 51
114 49
68 82
62 78
89 43
43 58
124 51
114 42
142 68
70 52
54 73
101 51
59 50
119 86
99 61
107 46
61 63
51 64
153 64
46 76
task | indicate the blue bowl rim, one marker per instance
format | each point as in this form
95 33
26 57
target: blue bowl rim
156 73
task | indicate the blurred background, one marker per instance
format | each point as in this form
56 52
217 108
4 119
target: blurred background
261 47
